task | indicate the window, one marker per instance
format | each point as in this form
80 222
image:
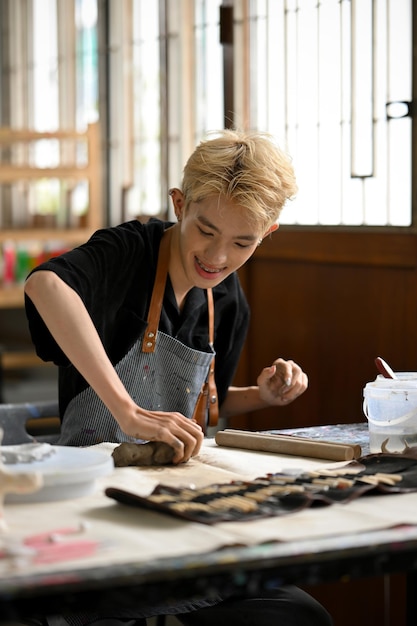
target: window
322 74
331 80
177 84
50 76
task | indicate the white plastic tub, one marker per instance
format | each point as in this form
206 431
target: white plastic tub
390 407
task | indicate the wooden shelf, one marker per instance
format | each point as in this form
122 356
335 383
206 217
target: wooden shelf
72 236
89 171
11 297
28 173
21 359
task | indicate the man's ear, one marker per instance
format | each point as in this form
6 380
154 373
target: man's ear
178 201
271 230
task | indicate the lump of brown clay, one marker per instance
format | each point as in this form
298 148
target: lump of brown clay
150 453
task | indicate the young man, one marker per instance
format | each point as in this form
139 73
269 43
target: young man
123 380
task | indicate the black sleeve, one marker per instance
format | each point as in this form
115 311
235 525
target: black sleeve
102 272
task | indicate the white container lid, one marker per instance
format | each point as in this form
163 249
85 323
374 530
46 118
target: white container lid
406 381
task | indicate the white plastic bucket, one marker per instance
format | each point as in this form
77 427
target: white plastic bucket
390 407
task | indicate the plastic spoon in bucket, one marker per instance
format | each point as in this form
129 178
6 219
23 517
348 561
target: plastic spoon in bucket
384 369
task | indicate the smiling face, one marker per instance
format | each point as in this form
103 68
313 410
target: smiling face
213 239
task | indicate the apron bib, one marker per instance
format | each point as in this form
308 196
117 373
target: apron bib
168 379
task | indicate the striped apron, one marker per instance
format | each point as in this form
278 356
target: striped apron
168 379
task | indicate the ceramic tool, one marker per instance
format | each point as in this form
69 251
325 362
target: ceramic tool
384 369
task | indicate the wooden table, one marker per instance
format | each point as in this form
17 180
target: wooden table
228 570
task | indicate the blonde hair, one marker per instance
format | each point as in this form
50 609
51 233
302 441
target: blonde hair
245 167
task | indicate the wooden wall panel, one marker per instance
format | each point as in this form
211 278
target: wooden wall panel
333 315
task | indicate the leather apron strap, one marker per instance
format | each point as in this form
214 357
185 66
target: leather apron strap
155 307
207 400
213 403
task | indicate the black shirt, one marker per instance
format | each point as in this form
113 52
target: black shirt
113 273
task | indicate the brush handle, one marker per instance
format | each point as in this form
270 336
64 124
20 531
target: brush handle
384 369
